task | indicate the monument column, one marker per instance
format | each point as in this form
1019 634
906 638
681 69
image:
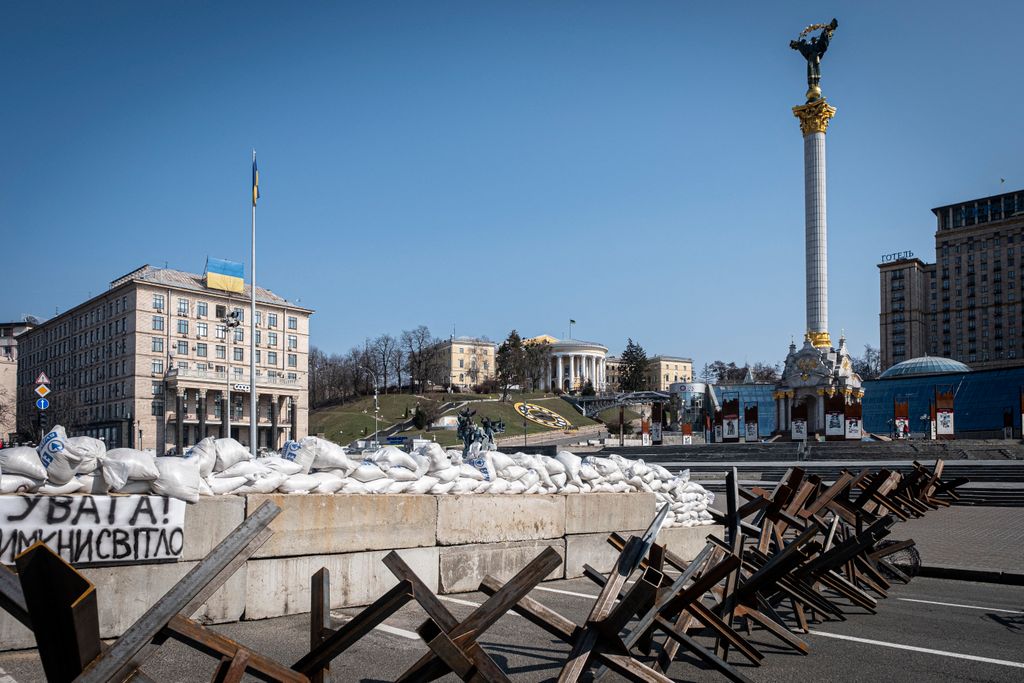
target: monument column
814 118
572 371
561 379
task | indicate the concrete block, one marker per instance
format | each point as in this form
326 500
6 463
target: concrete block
499 518
592 549
208 522
463 567
14 636
593 512
687 541
280 586
334 524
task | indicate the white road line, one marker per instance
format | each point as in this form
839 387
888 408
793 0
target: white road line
556 590
468 603
926 650
954 604
397 631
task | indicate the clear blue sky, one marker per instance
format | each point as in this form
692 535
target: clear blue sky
634 166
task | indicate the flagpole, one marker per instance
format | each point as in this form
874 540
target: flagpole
253 396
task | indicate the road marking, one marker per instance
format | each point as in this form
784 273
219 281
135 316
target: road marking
954 604
397 631
458 601
926 650
556 590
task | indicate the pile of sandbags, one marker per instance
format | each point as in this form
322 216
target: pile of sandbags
62 465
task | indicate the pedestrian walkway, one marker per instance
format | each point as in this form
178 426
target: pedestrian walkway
985 538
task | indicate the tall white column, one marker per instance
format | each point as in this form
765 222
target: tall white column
547 387
561 380
814 118
572 371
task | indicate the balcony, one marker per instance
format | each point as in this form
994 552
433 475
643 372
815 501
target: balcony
215 377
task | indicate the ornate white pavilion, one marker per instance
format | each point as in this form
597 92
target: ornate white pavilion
574 362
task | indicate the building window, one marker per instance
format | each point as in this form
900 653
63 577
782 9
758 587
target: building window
220 311
292 376
182 306
221 351
158 344
183 365
201 350
461 363
239 313
293 322
293 360
271 319
202 329
158 388
157 408
259 336
237 354
182 327
158 367
202 309
182 348
221 332
158 302
258 356
272 338
293 341
239 334
158 322
259 317
272 357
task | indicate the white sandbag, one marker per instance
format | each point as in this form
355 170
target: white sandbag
16 483
464 485
368 471
250 469
122 465
223 486
179 478
570 488
446 475
229 452
137 487
572 464
440 488
559 479
297 483
500 460
400 474
23 461
379 485
422 485
552 465
498 486
467 471
395 457
282 465
665 474
94 483
90 450
353 486
329 482
512 472
516 487
484 464
60 462
588 472
398 487
205 453
204 488
302 453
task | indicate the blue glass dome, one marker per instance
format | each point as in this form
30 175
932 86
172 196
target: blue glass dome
925 365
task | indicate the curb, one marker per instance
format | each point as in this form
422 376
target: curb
938 571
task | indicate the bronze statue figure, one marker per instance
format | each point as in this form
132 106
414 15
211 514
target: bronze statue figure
812 51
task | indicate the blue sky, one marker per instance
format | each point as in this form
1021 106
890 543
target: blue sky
492 165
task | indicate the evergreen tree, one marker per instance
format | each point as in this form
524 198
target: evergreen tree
634 367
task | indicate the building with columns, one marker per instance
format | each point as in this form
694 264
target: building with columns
150 364
574 362
9 333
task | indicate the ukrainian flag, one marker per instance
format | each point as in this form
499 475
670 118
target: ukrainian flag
255 181
226 275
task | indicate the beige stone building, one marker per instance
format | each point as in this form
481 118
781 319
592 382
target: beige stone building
465 361
9 333
150 364
969 304
662 372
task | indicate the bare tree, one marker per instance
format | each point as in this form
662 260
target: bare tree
382 348
417 345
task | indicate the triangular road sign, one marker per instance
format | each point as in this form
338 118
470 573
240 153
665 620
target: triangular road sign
42 378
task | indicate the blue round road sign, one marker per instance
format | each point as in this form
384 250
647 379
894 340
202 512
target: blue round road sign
42 403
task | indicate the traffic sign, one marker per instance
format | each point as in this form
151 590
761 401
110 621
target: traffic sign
42 403
42 378
42 390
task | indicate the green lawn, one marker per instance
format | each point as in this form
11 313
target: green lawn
345 423
612 415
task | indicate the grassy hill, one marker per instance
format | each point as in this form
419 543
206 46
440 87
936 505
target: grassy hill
354 420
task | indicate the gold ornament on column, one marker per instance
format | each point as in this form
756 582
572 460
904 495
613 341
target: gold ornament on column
814 116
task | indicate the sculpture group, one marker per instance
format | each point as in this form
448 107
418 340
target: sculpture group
482 434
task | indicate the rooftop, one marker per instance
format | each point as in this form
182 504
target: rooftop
195 282
925 365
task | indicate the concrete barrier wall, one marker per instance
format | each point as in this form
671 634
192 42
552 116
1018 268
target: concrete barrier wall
451 542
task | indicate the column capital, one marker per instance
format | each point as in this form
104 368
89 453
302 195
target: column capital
814 116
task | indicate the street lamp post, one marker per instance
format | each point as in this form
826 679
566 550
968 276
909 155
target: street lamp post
376 404
230 321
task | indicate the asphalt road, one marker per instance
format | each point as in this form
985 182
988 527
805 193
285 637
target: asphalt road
930 630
